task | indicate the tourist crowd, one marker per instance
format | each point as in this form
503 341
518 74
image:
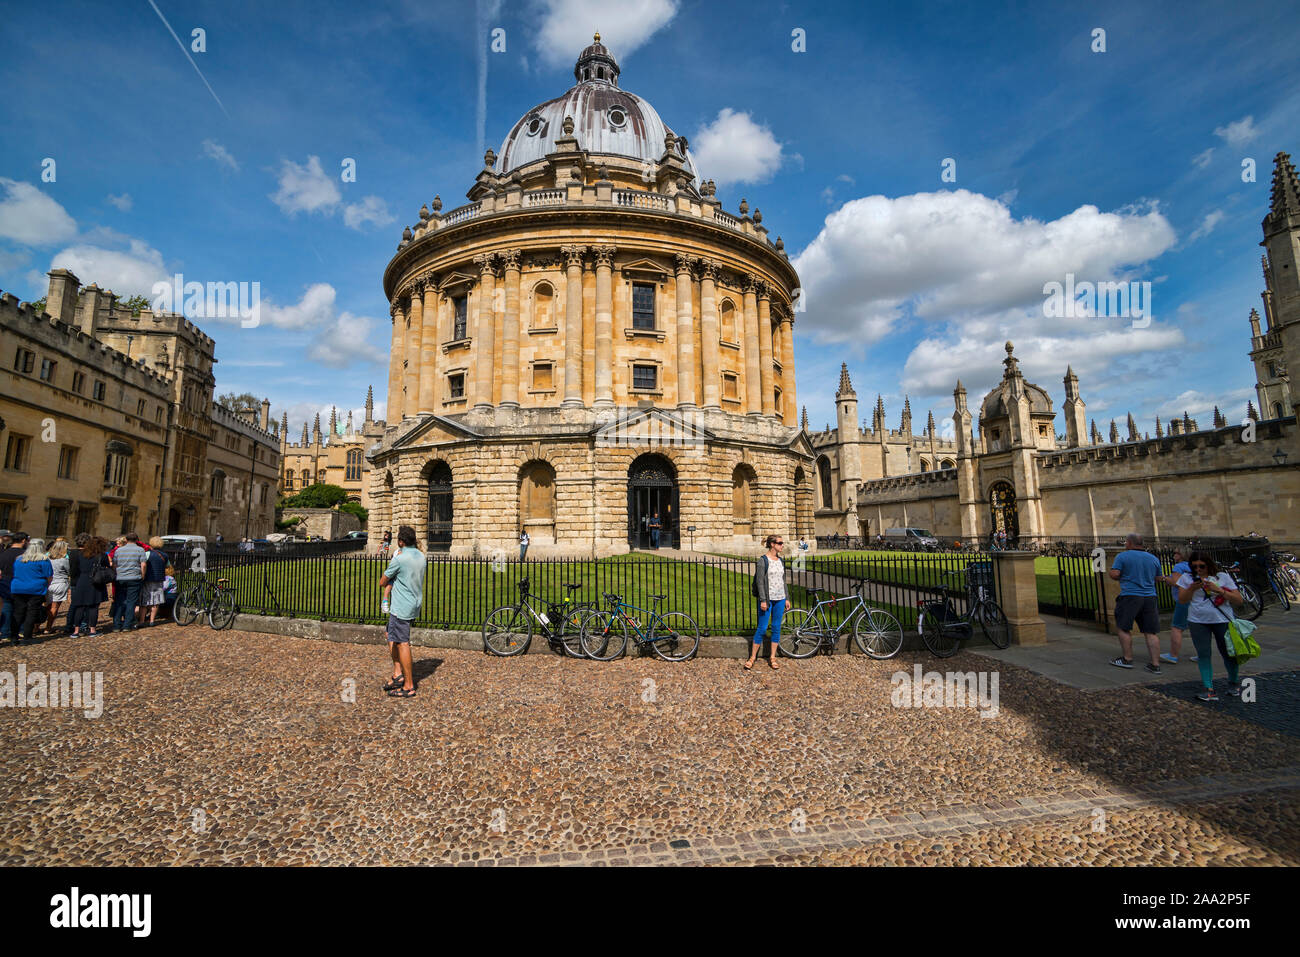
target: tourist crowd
38 583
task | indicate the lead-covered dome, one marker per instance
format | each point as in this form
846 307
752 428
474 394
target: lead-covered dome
606 119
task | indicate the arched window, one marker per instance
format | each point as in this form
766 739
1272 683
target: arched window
218 489
354 465
543 306
824 474
776 398
727 317
1277 410
742 479
537 495
948 464
925 466
288 479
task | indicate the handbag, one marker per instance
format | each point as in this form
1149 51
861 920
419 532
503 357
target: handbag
1240 639
102 574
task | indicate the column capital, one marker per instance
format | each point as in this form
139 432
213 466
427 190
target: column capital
510 258
684 262
708 269
748 283
484 262
416 286
604 255
573 255
762 288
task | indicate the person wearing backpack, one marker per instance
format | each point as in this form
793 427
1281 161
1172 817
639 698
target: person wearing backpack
1211 596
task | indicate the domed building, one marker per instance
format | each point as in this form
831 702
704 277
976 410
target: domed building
590 344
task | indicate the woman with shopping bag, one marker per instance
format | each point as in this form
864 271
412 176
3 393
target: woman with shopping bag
1211 596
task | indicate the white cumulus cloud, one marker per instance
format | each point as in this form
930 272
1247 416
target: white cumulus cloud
371 209
306 188
1238 134
567 26
340 337
30 217
128 271
123 202
735 149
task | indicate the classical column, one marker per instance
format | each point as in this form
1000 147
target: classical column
709 333
573 327
396 358
685 335
604 326
429 350
485 338
510 332
787 371
766 376
415 323
753 382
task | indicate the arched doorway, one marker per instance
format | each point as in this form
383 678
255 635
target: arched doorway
438 475
651 491
742 518
824 476
1002 505
537 501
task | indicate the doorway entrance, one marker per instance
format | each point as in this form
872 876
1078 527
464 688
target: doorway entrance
438 475
651 494
1002 504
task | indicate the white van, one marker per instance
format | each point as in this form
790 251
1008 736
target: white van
189 541
910 538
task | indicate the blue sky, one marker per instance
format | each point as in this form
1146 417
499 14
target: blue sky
1123 164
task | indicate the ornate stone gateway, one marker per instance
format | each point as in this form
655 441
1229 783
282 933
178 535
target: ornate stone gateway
651 491
438 475
1002 502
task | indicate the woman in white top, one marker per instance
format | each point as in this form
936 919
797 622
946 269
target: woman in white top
1211 596
57 596
769 589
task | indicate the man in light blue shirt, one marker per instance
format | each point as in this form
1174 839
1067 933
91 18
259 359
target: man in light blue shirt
403 584
1136 570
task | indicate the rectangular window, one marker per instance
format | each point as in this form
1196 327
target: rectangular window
158 414
730 386
24 360
643 305
139 408
97 391
128 520
645 378
115 472
78 382
460 310
85 519
456 385
543 377
9 514
16 451
56 521
67 462
47 370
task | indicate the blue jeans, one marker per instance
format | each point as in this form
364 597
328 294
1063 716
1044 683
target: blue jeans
128 594
6 616
775 614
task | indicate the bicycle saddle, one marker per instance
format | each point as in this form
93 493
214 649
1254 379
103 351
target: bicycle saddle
658 597
223 581
572 585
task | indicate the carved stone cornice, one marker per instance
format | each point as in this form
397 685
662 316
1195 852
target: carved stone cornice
544 261
604 255
573 255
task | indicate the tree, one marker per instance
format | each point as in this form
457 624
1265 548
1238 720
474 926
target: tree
357 509
134 304
320 495
39 305
239 402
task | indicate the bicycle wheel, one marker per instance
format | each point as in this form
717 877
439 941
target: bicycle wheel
604 636
1251 606
942 642
993 623
507 631
677 637
878 634
222 611
1290 581
571 629
1279 589
189 604
801 635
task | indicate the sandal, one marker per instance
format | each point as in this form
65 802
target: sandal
395 683
749 666
401 693
772 662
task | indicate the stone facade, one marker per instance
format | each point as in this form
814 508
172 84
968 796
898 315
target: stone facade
586 309
109 424
337 457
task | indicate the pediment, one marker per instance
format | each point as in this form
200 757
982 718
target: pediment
645 267
454 279
650 427
434 430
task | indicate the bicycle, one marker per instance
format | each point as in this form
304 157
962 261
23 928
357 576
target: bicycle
1287 576
508 630
1251 604
203 596
1275 582
673 636
806 632
943 630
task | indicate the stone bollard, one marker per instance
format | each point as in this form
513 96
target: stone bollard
1110 587
1018 596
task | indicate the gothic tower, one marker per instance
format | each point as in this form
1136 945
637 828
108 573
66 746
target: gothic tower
846 412
1282 293
1076 422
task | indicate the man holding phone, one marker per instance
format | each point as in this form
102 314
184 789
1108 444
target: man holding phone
1136 570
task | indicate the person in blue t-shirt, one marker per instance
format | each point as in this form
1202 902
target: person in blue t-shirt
403 584
1136 570
1179 624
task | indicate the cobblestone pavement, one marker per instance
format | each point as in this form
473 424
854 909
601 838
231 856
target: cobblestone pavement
1276 704
241 748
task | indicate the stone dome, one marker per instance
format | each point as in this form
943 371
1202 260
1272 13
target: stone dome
606 119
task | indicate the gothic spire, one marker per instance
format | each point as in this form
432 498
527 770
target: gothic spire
1132 428
334 420
1160 429
1187 423
1285 196
315 430
1250 411
370 403
846 387
929 424
349 428
1114 432
803 420
1219 421
304 433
